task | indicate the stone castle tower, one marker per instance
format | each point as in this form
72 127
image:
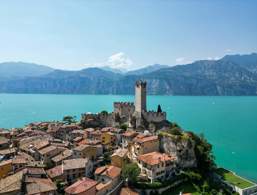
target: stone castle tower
140 96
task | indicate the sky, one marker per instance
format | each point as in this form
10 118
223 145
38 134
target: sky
126 34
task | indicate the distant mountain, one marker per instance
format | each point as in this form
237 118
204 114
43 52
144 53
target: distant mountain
231 75
147 69
21 69
115 70
247 61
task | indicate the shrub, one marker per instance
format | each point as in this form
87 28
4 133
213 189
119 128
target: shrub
130 172
69 119
124 127
104 112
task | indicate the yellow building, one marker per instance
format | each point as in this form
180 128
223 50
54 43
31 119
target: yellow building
108 138
86 151
119 158
5 168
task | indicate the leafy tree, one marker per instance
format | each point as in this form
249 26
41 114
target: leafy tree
69 119
104 112
124 126
60 186
130 172
204 154
193 176
107 158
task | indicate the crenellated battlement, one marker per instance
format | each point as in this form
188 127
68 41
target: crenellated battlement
154 113
153 116
123 104
124 108
140 83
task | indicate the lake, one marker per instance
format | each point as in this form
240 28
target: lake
229 123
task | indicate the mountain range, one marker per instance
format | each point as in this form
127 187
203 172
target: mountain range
231 75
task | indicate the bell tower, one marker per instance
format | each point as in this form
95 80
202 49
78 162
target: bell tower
140 96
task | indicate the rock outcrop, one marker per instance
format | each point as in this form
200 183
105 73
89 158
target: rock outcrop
180 146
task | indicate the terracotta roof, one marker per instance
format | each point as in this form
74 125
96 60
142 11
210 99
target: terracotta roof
35 171
4 140
41 144
77 163
77 139
22 158
5 162
82 185
110 171
55 172
130 133
154 158
81 147
79 131
110 129
65 154
89 142
7 151
97 132
47 149
89 130
145 138
11 183
40 185
128 191
101 186
99 170
121 152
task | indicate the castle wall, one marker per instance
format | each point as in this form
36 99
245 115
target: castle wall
97 120
152 116
124 108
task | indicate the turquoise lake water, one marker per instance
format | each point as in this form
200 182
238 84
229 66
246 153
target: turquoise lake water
229 123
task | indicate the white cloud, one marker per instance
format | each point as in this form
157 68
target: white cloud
228 50
213 58
180 60
120 61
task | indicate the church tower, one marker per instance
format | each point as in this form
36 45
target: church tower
140 96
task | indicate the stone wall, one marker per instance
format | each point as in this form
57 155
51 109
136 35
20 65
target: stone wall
152 116
98 120
124 108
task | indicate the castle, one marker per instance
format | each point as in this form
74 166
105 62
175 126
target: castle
134 115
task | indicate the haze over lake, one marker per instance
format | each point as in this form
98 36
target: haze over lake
229 123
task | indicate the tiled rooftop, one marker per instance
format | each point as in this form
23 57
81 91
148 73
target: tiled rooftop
128 191
145 138
130 133
7 151
40 185
65 154
110 171
154 158
11 183
81 147
82 185
55 172
77 163
121 152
